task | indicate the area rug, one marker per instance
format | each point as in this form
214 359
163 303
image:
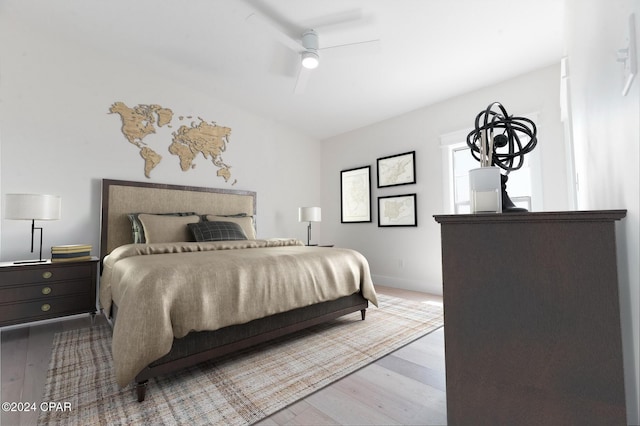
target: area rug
239 389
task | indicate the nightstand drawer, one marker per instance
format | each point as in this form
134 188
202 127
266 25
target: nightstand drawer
44 290
46 308
46 273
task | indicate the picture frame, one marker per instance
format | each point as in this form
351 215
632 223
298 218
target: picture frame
398 210
355 195
398 169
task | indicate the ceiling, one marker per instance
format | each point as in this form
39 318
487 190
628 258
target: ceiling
429 50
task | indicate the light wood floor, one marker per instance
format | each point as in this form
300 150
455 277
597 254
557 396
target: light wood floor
405 387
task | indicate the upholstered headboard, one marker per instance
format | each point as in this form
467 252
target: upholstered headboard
120 198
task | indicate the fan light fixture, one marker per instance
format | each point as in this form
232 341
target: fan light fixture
310 57
310 60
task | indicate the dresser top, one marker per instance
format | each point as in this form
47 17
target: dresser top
46 263
562 216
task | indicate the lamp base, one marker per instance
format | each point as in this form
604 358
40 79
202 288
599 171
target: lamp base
19 262
33 231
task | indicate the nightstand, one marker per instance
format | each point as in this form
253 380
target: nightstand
37 291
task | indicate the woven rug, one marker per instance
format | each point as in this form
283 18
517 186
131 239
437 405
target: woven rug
238 389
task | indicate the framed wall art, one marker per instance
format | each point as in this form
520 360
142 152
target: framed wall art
398 210
399 169
355 195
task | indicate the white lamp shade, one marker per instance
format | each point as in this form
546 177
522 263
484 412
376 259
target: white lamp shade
32 206
309 214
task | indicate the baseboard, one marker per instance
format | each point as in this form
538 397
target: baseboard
405 284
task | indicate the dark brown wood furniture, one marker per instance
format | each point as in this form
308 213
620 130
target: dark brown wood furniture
121 197
38 291
532 325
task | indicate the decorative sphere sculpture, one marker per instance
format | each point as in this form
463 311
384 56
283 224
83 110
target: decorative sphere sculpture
506 149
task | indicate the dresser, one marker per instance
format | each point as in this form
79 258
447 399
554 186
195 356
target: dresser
532 322
37 291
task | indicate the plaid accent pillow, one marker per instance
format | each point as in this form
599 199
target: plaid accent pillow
246 222
217 231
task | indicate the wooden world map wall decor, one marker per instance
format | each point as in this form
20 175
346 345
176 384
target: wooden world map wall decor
196 137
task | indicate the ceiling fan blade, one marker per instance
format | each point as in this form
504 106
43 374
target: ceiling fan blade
357 48
302 80
336 21
278 32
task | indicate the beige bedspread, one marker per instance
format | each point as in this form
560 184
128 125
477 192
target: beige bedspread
167 290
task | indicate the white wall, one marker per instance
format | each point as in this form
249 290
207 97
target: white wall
410 257
57 137
607 138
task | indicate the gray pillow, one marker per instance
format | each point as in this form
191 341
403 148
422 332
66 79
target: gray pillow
217 231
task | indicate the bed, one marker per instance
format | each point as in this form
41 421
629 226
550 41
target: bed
175 302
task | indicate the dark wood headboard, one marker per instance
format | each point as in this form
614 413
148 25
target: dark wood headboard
120 197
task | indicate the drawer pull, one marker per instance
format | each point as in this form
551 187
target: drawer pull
46 290
45 307
46 275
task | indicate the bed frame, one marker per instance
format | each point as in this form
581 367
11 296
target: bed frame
122 197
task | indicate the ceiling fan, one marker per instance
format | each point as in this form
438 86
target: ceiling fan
308 44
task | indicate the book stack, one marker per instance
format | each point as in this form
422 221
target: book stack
71 253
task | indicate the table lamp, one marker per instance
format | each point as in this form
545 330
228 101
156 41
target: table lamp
32 207
309 214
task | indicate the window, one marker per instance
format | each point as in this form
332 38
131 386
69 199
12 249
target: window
462 162
457 160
